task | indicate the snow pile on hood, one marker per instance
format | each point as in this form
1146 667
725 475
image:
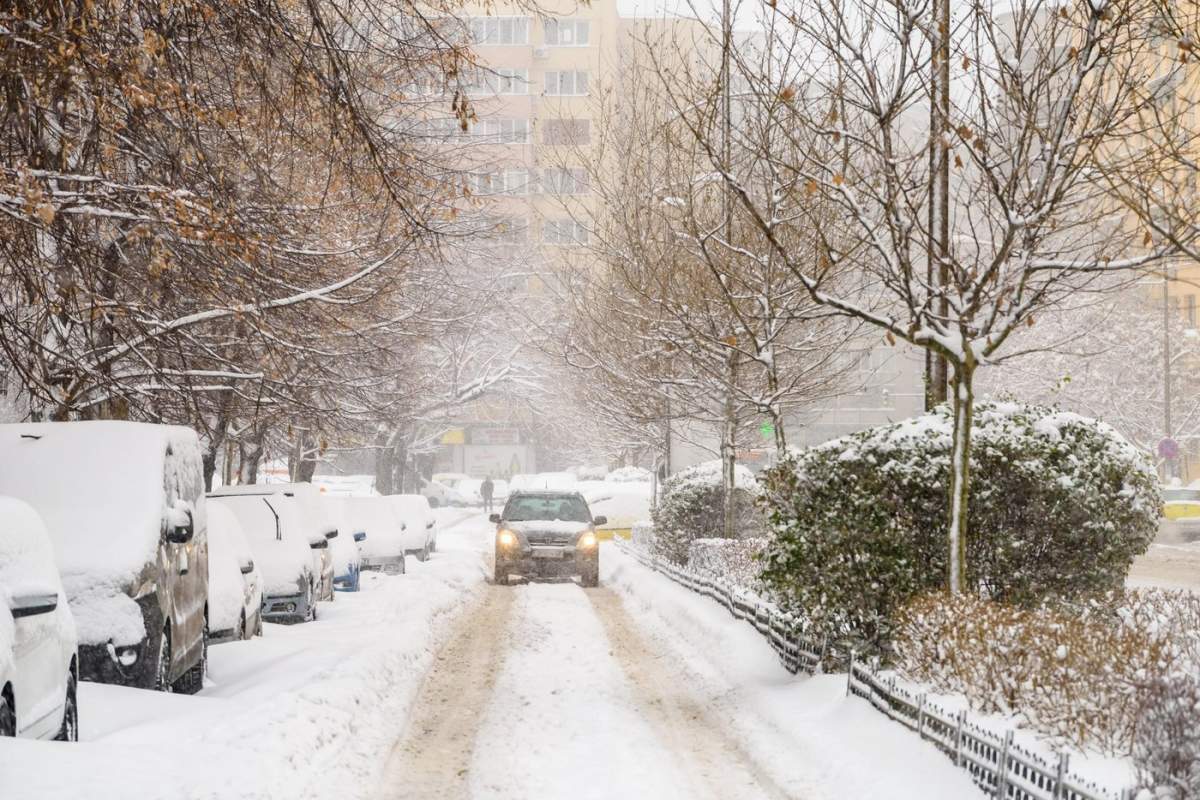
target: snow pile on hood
377 517
99 487
284 562
226 585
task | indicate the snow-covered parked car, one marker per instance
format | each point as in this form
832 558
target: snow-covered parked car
312 520
383 546
547 534
234 582
347 561
124 505
38 660
420 524
439 494
282 552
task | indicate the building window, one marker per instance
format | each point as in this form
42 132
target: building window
501 80
441 128
567 131
509 181
571 82
509 230
500 30
501 131
565 180
564 232
569 32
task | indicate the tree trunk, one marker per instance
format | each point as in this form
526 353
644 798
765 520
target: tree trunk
729 451
963 403
251 456
385 460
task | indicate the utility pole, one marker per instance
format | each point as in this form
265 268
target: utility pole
937 267
729 434
1168 433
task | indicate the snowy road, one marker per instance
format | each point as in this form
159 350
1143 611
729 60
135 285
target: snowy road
549 690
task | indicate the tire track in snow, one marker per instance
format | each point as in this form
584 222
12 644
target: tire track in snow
431 760
717 764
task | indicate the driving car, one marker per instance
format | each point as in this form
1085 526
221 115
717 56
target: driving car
420 525
124 505
547 534
439 494
234 581
383 547
312 520
282 552
1181 514
39 669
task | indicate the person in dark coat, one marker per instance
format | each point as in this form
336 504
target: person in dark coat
486 490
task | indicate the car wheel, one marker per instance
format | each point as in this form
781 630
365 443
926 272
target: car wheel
590 578
69 732
193 680
501 576
162 669
8 715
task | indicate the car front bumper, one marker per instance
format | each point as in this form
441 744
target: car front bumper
547 561
285 608
392 565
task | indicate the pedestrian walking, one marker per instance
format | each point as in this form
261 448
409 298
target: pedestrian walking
486 490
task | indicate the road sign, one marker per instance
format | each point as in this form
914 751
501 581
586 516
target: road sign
767 430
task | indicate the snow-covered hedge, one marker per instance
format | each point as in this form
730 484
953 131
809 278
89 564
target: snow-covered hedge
735 561
642 535
1060 505
692 507
1102 673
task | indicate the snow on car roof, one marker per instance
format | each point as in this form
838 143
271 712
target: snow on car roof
312 518
281 561
99 487
26 556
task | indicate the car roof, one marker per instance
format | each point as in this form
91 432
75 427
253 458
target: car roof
544 493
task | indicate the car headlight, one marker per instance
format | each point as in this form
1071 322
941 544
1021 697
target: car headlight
127 656
588 539
506 538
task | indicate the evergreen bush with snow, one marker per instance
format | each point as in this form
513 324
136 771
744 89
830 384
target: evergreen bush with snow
1060 506
692 507
734 561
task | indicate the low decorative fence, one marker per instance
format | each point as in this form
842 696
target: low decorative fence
997 764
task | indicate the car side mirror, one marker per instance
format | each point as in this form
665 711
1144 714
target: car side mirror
321 545
599 520
248 567
182 533
331 534
358 537
494 518
34 603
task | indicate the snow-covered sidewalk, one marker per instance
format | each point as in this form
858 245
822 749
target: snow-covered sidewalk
804 731
308 711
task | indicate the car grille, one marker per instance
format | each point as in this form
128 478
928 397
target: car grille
544 538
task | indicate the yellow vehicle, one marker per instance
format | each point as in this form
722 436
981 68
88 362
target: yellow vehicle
1181 514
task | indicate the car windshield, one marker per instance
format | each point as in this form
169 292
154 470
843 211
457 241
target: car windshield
567 508
1181 495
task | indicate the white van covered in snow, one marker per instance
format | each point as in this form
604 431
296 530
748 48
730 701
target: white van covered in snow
124 505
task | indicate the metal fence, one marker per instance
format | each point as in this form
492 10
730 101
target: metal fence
997 764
